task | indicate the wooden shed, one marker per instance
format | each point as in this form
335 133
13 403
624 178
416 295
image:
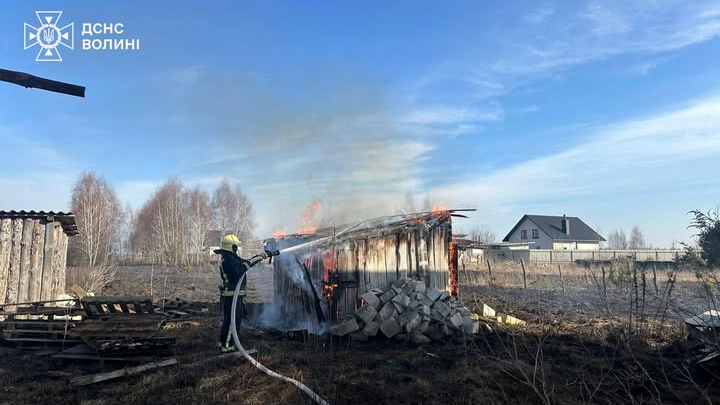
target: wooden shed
33 254
318 278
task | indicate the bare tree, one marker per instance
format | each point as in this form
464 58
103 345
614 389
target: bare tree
482 234
617 240
160 225
97 214
637 240
233 212
198 217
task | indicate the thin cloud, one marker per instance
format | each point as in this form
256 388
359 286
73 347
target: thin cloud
657 151
540 15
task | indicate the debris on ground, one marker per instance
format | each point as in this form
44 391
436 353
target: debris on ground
411 312
704 329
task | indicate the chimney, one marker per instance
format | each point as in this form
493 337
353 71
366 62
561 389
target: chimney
565 225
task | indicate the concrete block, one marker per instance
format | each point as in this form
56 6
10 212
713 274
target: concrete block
407 316
345 327
419 339
359 336
420 286
425 309
487 311
444 296
445 330
442 308
371 328
403 337
433 294
400 284
426 300
387 296
409 287
371 299
387 311
472 327
423 327
399 308
390 328
378 318
399 298
367 313
457 320
436 314
413 323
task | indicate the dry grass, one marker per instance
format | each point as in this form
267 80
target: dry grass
582 346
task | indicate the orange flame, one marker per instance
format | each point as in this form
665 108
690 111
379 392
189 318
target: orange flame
307 225
439 209
279 234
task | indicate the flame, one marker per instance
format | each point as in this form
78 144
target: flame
279 234
307 225
439 209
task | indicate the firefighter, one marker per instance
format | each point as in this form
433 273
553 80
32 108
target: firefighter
232 268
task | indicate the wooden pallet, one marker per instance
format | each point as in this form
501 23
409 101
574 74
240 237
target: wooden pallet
96 307
37 333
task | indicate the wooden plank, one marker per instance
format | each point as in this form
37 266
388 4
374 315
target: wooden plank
47 261
413 259
403 255
24 269
95 378
372 264
390 253
379 253
5 248
359 252
29 81
422 256
78 291
43 340
13 274
36 260
58 270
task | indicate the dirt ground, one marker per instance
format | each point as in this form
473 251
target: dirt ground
573 351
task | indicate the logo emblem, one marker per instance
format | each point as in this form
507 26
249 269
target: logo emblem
48 36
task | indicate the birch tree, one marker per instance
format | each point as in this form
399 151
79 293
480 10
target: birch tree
233 212
97 215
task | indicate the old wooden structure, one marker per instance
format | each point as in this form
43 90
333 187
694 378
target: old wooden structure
319 277
33 252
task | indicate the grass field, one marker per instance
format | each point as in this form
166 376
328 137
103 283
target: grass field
580 346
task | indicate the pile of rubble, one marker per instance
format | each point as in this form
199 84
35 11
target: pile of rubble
409 311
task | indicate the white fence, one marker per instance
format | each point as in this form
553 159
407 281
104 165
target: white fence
566 256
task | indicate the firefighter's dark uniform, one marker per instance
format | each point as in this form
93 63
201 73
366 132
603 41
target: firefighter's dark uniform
232 268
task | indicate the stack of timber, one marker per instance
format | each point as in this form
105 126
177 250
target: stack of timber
40 325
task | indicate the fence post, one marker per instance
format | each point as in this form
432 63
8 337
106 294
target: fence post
604 285
562 282
489 269
655 279
522 263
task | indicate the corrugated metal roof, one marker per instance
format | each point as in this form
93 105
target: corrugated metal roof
375 226
66 219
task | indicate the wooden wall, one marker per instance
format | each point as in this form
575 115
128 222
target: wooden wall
33 254
355 266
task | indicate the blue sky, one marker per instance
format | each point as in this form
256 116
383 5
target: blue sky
606 110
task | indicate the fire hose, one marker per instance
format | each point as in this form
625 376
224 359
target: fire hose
315 397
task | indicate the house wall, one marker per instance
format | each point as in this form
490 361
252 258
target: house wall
33 255
543 242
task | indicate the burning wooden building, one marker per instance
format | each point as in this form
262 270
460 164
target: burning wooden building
33 253
319 276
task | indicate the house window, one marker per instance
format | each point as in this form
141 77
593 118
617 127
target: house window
523 234
536 234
